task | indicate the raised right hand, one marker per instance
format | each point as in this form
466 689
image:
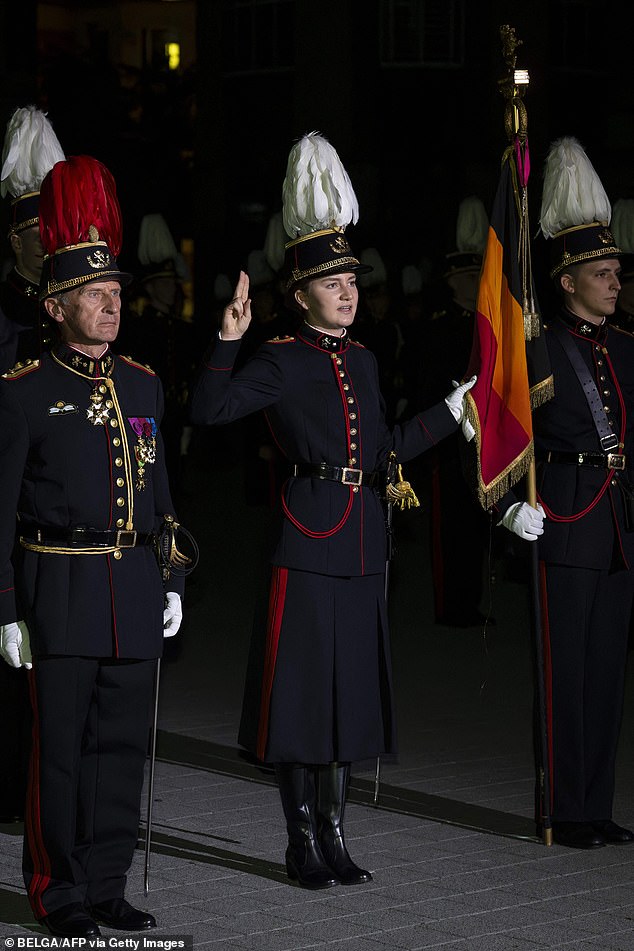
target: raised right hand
236 316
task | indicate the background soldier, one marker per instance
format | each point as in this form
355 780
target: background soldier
30 150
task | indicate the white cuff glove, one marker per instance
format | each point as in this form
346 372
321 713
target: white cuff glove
455 404
14 645
523 520
172 615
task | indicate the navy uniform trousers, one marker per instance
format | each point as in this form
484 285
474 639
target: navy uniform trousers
90 734
586 556
587 635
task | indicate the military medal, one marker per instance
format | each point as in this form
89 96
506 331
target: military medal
98 412
145 449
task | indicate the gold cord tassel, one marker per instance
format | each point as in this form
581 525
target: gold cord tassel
176 558
399 491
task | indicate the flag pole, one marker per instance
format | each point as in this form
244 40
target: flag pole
515 120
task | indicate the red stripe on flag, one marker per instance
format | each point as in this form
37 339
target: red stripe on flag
499 403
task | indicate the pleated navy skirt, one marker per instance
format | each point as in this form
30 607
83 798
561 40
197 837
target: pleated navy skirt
319 679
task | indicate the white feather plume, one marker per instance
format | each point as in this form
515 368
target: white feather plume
622 224
472 225
30 151
317 192
156 244
378 274
573 194
411 280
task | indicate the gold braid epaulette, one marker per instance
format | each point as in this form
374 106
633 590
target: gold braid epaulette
139 366
20 369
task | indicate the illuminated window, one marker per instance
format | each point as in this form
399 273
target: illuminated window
173 55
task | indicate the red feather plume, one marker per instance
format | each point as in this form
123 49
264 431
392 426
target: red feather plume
76 194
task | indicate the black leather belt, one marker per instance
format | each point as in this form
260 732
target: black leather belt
85 537
610 460
319 470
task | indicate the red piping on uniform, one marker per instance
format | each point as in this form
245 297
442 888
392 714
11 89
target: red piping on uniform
602 490
277 598
330 531
6 590
359 462
422 426
41 876
617 531
577 515
618 392
222 369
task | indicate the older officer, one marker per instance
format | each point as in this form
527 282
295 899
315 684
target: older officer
323 696
83 465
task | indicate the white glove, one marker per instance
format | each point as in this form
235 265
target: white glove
523 520
455 404
14 645
172 615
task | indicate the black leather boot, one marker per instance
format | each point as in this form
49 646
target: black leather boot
304 862
332 788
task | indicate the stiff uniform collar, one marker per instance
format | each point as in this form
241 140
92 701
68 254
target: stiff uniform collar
22 284
83 364
324 340
584 328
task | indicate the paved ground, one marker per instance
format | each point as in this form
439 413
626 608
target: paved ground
451 842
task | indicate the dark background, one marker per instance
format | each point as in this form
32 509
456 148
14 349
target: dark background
408 92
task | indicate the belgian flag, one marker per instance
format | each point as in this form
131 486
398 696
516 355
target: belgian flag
509 353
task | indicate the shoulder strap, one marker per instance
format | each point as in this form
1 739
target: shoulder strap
607 437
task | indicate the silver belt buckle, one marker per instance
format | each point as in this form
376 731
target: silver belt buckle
615 460
351 476
126 538
609 442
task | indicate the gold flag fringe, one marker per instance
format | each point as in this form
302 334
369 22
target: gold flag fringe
541 392
490 493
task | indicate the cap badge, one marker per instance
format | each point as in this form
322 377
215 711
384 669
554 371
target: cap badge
99 259
605 236
340 245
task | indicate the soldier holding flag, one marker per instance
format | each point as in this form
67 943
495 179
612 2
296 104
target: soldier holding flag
584 440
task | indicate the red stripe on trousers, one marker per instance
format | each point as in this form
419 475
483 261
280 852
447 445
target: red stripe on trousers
277 598
41 875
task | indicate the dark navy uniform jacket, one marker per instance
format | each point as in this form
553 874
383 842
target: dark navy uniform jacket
323 404
25 329
60 470
585 524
